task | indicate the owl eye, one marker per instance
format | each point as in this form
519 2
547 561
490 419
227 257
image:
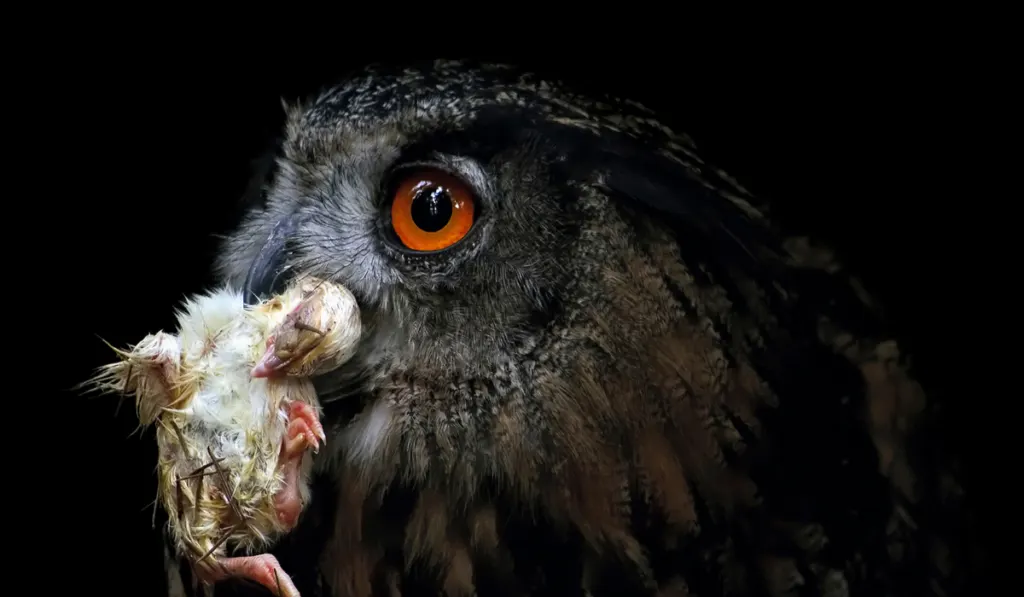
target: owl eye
431 210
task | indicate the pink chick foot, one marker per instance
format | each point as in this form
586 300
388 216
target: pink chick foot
304 432
263 569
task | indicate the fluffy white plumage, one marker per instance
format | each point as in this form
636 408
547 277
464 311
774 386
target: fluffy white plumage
220 343
223 391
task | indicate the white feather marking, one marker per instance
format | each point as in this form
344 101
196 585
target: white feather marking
366 436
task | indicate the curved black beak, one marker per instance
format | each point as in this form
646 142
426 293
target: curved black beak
268 273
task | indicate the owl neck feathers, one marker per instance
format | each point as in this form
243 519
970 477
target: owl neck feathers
644 408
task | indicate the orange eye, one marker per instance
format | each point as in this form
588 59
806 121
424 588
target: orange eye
431 210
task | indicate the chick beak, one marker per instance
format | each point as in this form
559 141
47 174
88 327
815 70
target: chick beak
268 273
269 364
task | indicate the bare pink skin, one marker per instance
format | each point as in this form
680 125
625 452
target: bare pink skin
263 569
304 431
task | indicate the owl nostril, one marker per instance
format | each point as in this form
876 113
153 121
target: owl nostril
268 273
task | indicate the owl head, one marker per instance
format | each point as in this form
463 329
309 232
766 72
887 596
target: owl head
567 313
468 209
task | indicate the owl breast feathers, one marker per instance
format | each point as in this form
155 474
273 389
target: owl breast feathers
589 363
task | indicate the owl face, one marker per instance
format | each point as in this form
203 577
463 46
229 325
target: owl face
447 200
513 291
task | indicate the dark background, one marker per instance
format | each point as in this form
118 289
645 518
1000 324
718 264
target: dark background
159 145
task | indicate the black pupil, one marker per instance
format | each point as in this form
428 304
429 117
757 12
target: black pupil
431 209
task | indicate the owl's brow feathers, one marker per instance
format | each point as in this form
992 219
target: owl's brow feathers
624 342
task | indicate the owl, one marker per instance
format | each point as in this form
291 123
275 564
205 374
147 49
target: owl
590 363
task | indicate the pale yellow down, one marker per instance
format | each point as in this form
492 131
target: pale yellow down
196 386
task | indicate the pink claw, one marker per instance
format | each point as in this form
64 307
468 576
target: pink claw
304 432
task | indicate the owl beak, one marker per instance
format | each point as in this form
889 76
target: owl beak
268 275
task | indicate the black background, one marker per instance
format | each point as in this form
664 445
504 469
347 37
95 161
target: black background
156 143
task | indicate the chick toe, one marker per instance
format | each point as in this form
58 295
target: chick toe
263 569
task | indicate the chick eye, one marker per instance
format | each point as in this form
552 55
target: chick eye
431 210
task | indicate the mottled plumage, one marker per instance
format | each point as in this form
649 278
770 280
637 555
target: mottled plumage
622 381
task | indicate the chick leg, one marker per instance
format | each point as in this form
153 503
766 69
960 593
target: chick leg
263 569
304 432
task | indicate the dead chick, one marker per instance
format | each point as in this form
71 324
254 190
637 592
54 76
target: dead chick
236 415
